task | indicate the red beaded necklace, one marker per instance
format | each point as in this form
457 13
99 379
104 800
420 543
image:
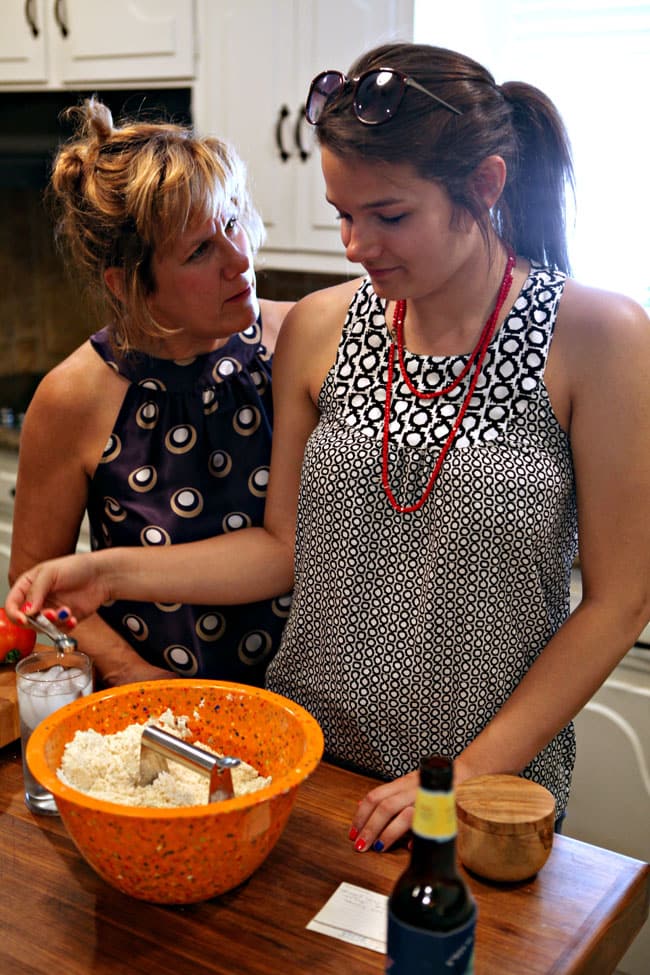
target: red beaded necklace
477 355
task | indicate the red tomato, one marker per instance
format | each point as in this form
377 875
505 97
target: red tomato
15 641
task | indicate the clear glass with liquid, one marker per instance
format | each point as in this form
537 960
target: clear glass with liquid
45 682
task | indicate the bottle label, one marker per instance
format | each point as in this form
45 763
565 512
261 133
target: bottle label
435 815
412 951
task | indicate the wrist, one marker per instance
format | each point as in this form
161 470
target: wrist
111 566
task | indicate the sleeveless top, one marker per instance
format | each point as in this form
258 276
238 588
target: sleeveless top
188 458
409 631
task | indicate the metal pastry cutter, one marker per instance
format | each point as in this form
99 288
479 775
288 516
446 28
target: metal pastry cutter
158 746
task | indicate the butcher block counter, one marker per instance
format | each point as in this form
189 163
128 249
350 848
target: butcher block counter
9 723
578 916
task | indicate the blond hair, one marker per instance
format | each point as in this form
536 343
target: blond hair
120 193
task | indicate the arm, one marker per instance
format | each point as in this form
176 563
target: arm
239 567
605 342
65 413
115 660
601 368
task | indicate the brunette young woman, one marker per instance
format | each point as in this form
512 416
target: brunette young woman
447 430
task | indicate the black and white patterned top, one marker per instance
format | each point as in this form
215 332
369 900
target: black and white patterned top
409 631
188 458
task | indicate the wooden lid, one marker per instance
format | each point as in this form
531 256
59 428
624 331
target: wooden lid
505 804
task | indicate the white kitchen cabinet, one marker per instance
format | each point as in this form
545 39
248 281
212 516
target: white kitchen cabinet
610 792
256 61
57 43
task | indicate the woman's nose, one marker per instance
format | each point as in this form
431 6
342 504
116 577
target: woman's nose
236 260
360 244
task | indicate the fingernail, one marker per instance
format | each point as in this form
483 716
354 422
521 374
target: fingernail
360 845
50 615
26 607
63 614
353 833
71 623
378 846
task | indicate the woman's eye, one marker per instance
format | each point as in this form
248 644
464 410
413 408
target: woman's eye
392 219
199 251
231 224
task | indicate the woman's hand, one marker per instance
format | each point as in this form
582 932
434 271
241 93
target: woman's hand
73 582
384 815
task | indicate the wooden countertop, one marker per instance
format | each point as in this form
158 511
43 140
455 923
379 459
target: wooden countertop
578 916
9 723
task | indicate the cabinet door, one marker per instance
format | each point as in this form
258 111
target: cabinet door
332 34
123 40
248 96
23 52
252 90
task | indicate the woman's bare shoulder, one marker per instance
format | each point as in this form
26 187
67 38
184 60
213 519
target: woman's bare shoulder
74 380
325 309
75 405
601 329
594 308
311 333
273 315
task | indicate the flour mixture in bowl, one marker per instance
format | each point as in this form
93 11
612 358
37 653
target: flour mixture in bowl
107 767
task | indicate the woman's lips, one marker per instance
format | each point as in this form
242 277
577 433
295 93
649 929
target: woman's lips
379 273
241 295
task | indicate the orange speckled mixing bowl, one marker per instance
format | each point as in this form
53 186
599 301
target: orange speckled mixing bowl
190 853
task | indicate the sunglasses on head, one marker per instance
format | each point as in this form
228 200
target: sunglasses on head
377 94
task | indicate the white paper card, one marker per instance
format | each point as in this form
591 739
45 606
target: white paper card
355 915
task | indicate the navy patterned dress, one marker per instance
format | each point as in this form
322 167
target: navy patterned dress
188 458
409 631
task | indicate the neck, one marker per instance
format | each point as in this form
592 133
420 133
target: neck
449 320
180 349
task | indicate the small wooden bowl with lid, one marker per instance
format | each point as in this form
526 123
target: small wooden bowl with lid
505 826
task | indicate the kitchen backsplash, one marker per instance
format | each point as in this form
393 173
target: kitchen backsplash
43 315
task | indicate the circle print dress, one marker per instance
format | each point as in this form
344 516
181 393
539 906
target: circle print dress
188 459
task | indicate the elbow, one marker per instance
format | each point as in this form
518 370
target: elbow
634 616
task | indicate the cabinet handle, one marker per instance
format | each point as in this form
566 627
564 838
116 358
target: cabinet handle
284 112
58 16
304 154
31 18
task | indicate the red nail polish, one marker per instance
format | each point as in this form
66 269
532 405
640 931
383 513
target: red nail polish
353 833
26 607
360 845
50 615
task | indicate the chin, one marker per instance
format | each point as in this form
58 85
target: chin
386 293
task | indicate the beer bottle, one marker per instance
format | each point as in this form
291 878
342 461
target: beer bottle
431 913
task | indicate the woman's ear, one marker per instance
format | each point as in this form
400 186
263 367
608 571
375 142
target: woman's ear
489 178
114 281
